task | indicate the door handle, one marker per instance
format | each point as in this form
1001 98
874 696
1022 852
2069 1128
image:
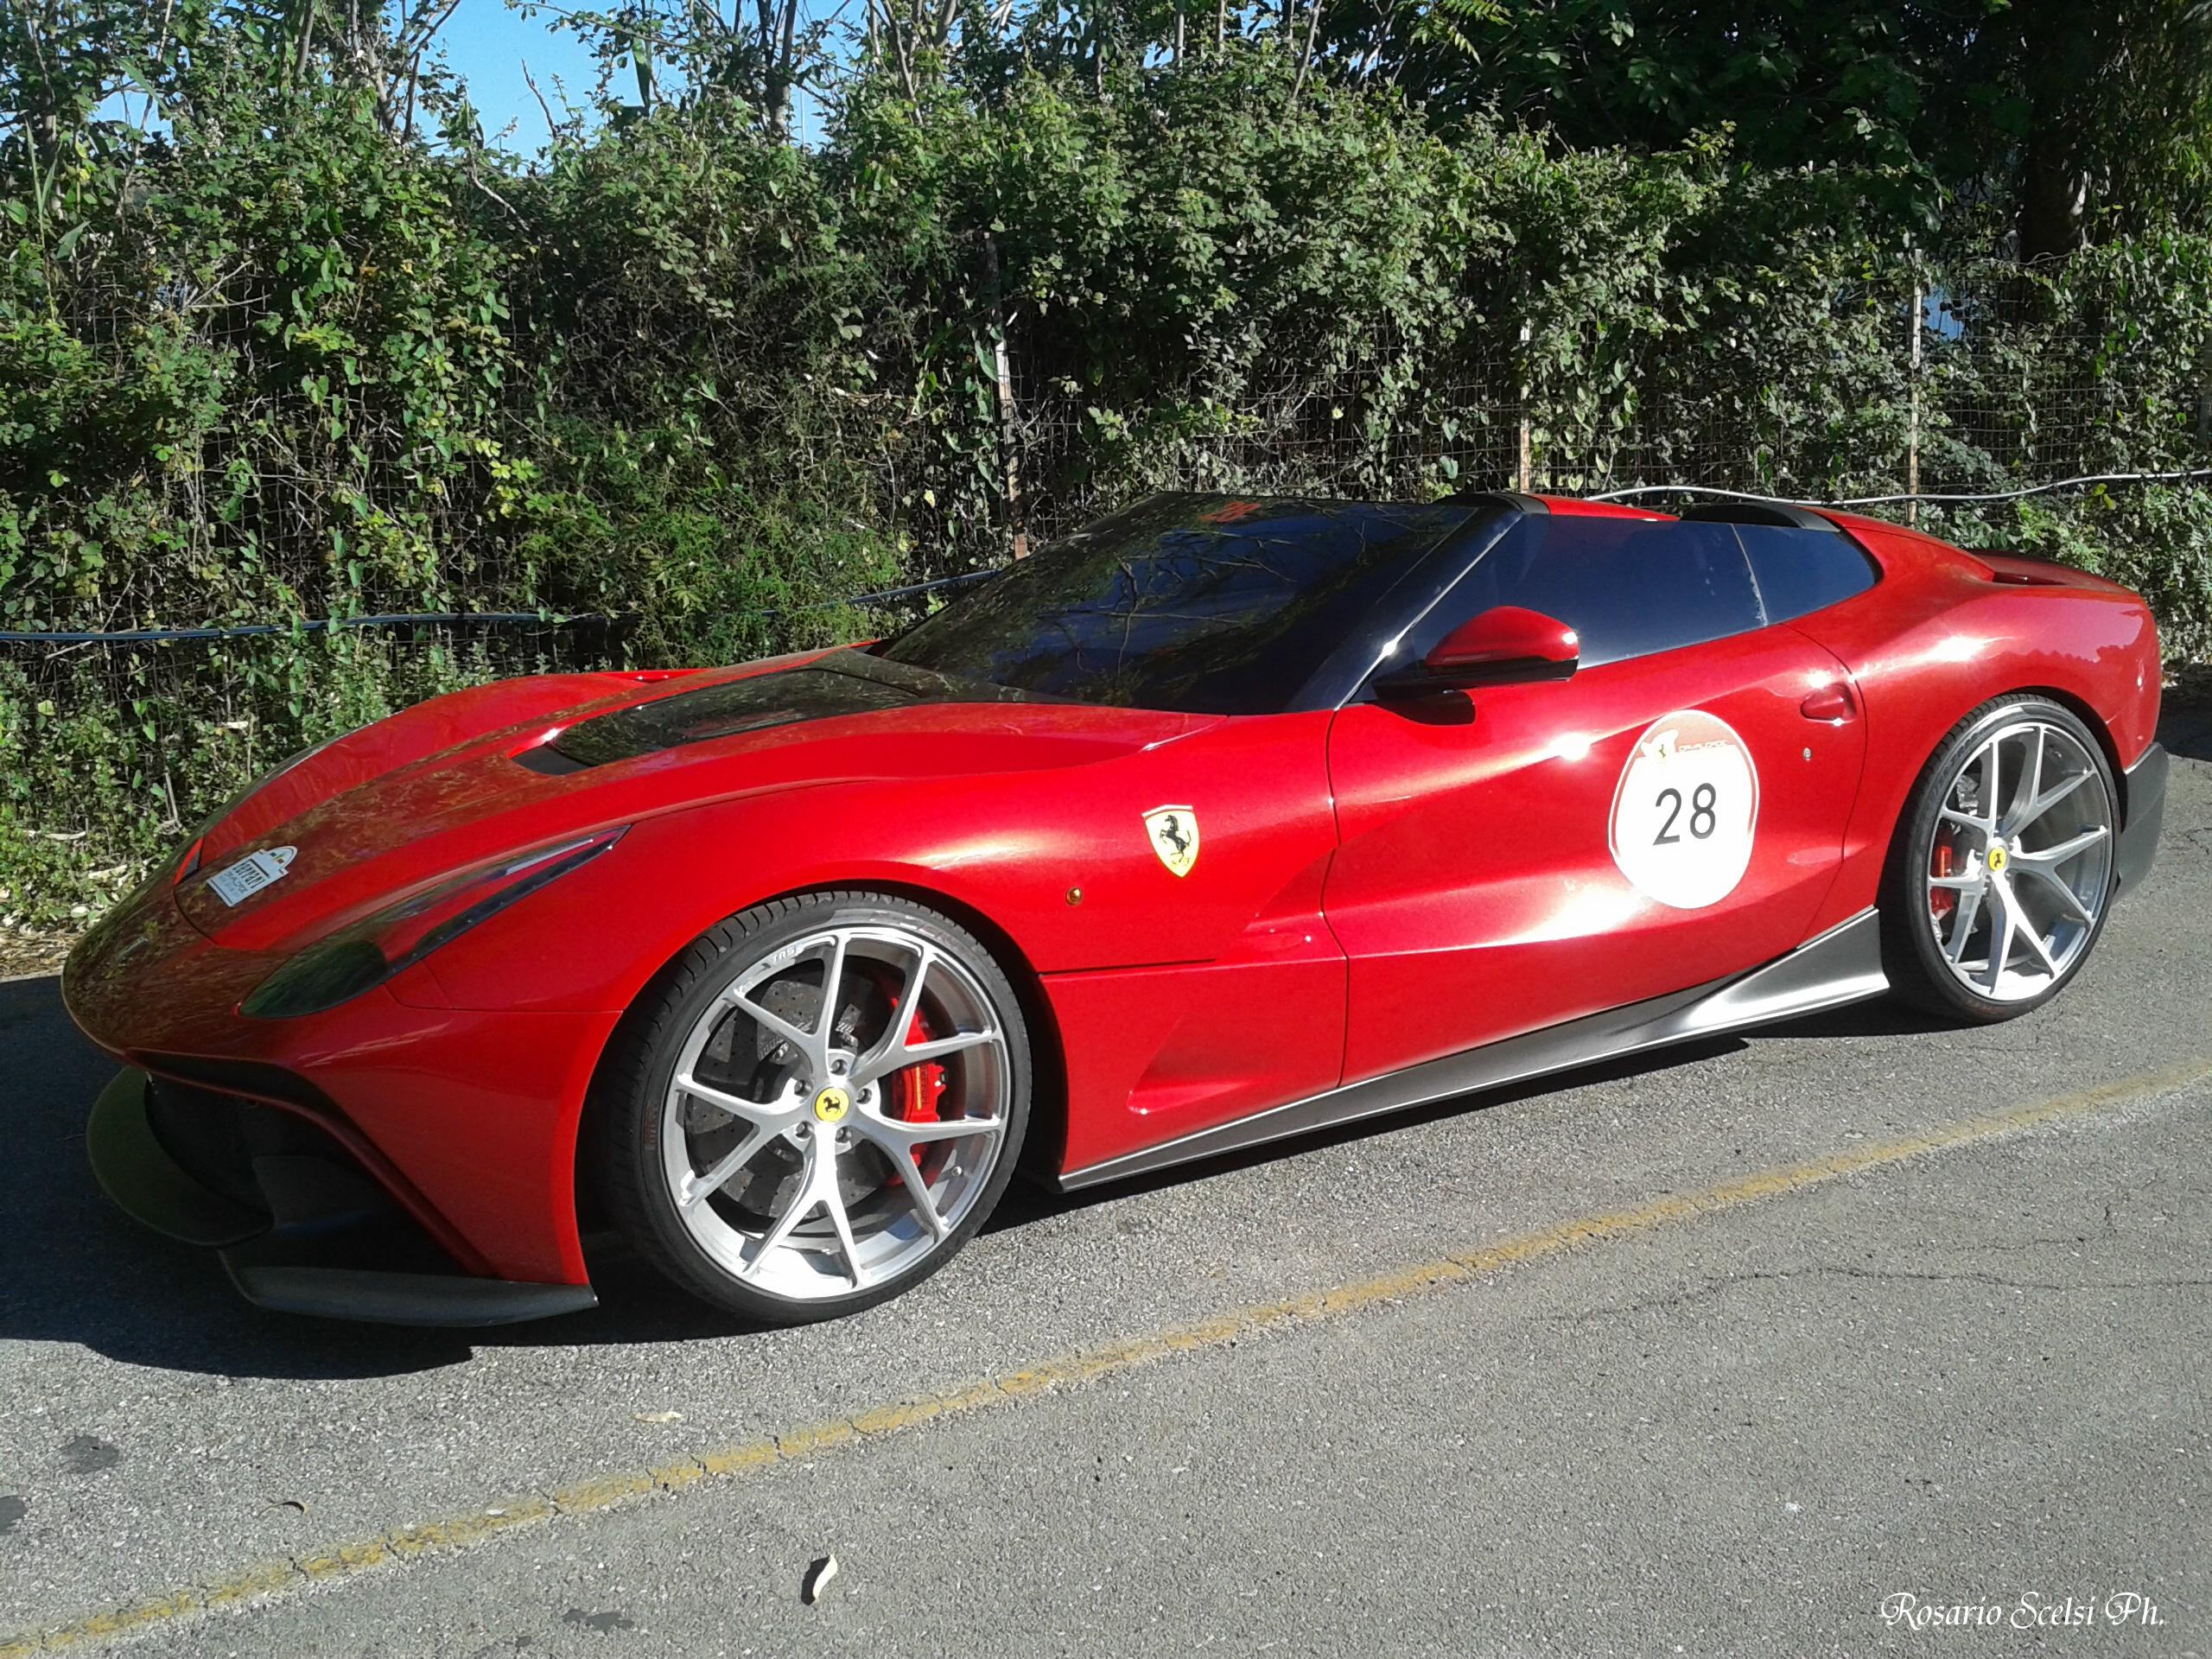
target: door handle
1832 704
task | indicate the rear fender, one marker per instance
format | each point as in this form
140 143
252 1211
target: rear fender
1935 639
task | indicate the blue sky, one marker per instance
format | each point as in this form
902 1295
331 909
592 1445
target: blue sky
488 42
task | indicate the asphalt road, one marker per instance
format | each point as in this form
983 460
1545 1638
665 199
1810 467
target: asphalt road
1906 1338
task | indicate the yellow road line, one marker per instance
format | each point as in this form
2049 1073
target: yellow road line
273 1579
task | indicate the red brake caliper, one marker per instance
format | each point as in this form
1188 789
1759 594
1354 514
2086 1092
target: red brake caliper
915 1091
1941 900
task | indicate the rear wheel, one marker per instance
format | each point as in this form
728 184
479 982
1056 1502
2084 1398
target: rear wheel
2002 872
822 1102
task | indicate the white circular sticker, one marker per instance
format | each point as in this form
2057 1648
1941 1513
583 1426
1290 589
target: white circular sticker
1686 811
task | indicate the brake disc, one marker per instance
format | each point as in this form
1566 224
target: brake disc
765 1186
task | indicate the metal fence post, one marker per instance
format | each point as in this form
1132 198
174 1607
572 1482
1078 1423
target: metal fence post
1527 459
1010 451
1009 434
1912 403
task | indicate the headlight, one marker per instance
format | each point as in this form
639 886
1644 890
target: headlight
360 958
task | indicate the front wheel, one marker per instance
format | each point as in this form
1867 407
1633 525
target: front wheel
821 1102
2003 869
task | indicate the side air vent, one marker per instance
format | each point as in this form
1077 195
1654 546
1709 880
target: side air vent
550 761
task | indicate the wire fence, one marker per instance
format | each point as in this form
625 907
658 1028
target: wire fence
1944 427
1905 398
1939 395
1945 395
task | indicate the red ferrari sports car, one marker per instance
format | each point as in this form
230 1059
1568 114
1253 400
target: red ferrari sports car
1219 822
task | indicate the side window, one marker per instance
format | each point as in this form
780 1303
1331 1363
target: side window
1630 587
1802 571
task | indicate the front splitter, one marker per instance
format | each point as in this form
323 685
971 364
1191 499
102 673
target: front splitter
274 1265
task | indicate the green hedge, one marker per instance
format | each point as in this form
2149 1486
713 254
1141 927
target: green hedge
274 364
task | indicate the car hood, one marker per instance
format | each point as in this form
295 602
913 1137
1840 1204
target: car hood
477 777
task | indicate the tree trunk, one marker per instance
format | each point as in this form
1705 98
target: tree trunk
2053 197
778 27
1306 57
2061 53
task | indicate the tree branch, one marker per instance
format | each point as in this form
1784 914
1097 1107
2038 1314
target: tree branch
1306 57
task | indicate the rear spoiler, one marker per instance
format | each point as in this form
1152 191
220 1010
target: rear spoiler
1760 512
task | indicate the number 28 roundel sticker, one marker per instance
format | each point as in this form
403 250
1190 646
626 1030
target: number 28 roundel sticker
1687 810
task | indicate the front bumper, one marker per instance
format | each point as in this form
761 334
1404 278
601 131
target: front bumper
462 1120
300 1227
2144 795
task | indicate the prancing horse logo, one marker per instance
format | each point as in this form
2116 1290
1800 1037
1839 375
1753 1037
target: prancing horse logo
1174 832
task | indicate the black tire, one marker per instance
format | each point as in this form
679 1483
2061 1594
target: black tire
632 1092
1912 957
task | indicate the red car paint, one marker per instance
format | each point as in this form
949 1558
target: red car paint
1530 922
1373 890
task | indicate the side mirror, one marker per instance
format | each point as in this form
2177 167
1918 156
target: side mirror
1505 644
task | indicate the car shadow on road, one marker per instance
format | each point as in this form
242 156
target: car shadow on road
2186 731
73 1270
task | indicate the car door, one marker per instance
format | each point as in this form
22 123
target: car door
1524 854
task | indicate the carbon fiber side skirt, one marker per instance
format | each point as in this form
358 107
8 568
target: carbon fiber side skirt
1842 965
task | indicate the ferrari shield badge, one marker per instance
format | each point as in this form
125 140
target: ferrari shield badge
1174 834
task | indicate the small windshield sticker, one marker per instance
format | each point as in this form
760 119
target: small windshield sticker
1687 810
252 874
1174 834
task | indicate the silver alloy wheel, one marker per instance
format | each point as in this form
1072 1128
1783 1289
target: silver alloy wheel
2020 868
816 1139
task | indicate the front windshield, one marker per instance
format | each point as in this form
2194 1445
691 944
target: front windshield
1205 604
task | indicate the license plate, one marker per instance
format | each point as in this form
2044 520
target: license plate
251 874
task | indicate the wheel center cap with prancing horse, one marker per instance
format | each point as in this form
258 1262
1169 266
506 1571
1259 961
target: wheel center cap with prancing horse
831 1104
1998 858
